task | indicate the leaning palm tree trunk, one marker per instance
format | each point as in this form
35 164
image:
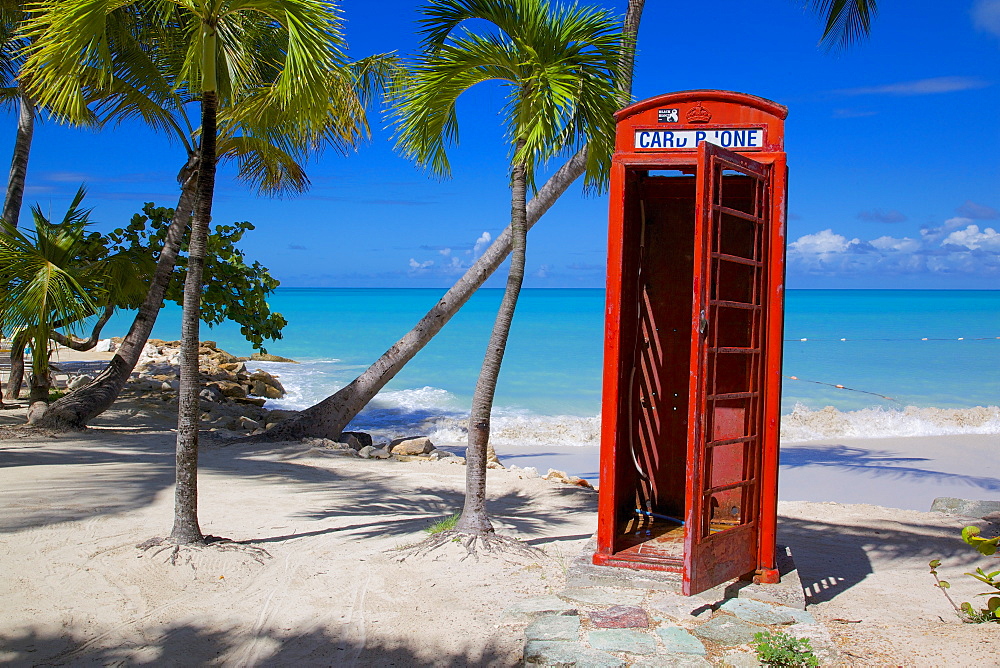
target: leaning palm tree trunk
19 162
186 530
15 196
328 418
16 377
474 519
77 408
90 342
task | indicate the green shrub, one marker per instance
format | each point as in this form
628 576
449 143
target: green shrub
781 649
966 612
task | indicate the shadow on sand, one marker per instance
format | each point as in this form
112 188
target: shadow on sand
832 558
175 645
880 463
127 471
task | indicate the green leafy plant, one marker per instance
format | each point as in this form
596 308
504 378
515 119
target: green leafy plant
966 611
441 526
234 289
781 649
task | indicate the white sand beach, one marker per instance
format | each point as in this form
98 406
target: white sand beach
318 580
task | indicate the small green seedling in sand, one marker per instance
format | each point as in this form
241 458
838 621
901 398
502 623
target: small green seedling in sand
446 524
781 649
966 612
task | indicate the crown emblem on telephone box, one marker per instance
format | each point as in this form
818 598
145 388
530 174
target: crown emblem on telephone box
699 114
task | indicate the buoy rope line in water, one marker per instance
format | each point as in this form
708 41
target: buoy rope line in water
926 338
839 387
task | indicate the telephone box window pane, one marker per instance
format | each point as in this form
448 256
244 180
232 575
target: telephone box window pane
729 419
730 372
738 192
735 283
727 464
738 237
725 510
734 327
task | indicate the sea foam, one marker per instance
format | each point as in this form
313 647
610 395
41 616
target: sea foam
804 424
443 416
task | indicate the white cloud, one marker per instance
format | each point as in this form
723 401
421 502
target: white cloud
904 245
820 243
543 271
419 266
986 16
957 246
974 239
920 87
481 243
453 262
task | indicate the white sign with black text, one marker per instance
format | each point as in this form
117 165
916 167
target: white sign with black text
667 140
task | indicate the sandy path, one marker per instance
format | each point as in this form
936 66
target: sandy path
331 591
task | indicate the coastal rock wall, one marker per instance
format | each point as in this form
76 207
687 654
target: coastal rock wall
232 395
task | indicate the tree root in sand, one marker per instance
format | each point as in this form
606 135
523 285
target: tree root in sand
260 555
474 543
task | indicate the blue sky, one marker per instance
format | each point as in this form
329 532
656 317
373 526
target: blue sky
891 144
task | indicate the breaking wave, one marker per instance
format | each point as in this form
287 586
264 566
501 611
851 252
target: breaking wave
804 424
443 416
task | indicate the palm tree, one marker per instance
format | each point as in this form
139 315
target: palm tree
57 276
268 159
12 43
219 56
558 64
846 21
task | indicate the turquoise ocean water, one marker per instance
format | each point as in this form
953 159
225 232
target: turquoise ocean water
921 361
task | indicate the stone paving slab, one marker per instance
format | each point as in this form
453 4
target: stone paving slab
820 639
554 627
622 640
727 631
565 654
530 608
673 661
583 573
757 612
680 641
603 595
620 617
741 660
681 608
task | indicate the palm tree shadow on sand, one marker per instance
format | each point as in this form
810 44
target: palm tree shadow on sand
880 463
179 645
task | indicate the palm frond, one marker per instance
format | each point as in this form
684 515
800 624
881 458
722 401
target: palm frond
557 63
264 165
846 21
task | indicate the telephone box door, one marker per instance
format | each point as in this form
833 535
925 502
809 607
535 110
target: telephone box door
725 418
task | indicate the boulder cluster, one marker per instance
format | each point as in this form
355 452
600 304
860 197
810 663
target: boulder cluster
232 402
406 449
232 394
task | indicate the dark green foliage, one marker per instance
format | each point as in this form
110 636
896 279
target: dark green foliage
781 649
234 290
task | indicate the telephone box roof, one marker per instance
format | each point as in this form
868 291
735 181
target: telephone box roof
765 105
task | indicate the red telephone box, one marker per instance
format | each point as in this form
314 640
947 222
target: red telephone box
692 357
